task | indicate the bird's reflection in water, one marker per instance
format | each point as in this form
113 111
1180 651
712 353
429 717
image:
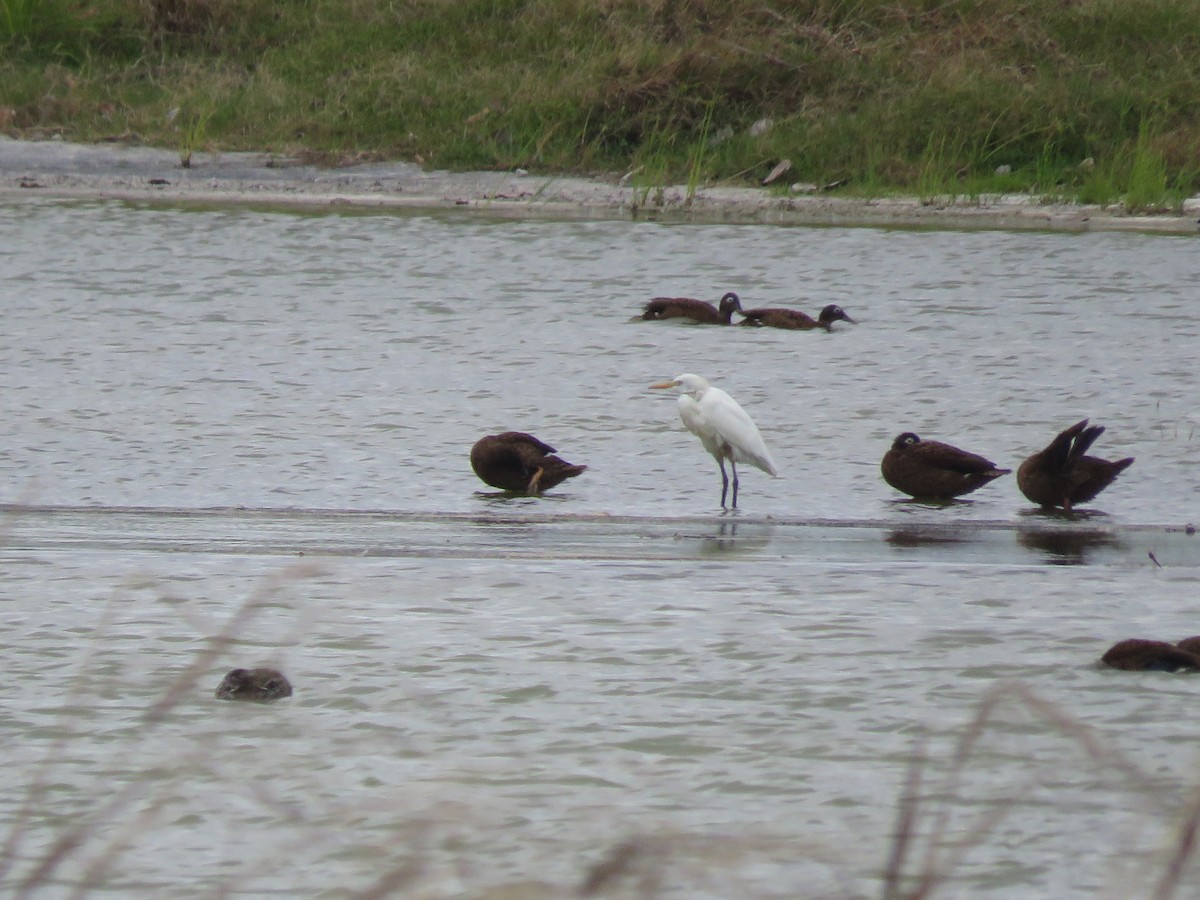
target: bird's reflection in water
727 540
1056 514
1066 547
923 536
917 503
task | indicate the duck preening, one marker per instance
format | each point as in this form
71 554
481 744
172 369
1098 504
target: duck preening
697 310
724 428
931 470
1063 475
772 317
1141 655
519 462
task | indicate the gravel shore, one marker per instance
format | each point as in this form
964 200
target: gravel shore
139 174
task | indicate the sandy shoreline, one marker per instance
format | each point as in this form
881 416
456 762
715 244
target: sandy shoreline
139 174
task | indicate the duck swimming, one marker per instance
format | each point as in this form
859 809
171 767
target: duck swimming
519 462
1141 655
254 685
773 317
697 310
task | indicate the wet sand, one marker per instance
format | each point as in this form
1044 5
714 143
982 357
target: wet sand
139 174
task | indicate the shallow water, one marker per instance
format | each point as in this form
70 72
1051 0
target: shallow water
262 418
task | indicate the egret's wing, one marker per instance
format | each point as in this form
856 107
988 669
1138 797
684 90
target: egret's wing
737 430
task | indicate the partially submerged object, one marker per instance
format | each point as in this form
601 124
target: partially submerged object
255 685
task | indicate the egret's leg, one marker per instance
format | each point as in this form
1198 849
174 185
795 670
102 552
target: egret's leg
725 483
734 464
535 480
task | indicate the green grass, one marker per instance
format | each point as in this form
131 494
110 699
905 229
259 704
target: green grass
961 97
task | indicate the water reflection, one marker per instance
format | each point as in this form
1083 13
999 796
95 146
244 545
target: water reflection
924 535
754 537
1068 547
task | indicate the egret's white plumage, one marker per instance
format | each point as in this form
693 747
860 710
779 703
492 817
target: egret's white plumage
724 428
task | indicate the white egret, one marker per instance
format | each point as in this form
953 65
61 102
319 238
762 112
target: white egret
724 428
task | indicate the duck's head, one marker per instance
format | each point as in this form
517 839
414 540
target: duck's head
906 440
730 304
833 313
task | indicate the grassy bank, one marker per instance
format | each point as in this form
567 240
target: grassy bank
1097 100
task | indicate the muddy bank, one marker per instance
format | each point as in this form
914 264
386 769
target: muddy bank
140 174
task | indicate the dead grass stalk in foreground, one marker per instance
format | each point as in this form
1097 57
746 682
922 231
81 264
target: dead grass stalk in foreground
943 855
103 832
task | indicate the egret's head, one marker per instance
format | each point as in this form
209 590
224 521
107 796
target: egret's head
833 313
689 384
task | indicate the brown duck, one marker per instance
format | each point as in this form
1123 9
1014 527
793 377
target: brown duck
697 310
931 470
796 320
515 461
1140 655
254 685
1062 475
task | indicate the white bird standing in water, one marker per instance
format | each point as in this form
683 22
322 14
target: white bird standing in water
724 428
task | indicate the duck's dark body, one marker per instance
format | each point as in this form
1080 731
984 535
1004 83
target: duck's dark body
1140 655
1062 475
697 310
254 685
1190 644
794 319
931 470
516 461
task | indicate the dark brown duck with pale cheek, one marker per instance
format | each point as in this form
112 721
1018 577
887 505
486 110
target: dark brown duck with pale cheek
519 462
794 319
696 310
1063 475
931 470
254 685
1141 655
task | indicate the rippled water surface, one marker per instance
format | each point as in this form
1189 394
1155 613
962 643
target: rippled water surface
240 437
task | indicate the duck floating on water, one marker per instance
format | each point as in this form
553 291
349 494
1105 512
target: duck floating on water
1062 475
519 462
254 685
794 319
931 470
697 310
1141 655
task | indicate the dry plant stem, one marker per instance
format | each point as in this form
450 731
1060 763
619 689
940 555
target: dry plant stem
934 869
1185 846
391 881
639 856
119 843
54 754
906 822
203 660
69 842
